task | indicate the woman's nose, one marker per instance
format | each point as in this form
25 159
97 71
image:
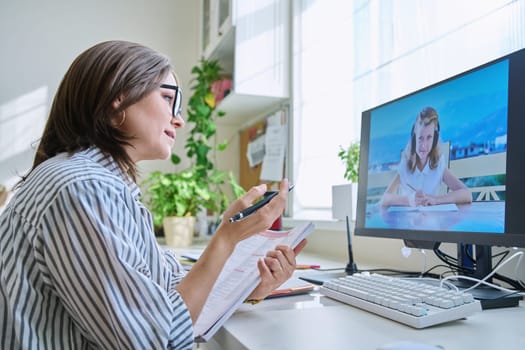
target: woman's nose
178 121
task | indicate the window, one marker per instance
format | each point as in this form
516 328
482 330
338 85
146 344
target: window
349 56
322 100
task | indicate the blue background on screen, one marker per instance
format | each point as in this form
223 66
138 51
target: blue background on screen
472 109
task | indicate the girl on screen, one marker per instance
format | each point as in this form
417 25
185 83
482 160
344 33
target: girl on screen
423 169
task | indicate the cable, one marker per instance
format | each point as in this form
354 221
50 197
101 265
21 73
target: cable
483 281
451 261
513 283
440 275
455 268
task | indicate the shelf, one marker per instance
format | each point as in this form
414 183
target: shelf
257 60
224 51
241 109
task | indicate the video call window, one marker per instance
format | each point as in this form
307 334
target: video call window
471 134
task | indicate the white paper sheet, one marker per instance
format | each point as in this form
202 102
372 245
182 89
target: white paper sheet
275 146
240 276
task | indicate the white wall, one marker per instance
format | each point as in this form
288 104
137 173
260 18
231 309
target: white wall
40 39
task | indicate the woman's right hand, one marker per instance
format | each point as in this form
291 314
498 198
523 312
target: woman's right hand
260 220
195 287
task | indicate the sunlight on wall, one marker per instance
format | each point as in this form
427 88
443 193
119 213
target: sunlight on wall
22 121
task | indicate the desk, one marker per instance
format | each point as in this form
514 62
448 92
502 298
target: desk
487 216
317 322
314 321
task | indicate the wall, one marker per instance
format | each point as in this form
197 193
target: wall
40 39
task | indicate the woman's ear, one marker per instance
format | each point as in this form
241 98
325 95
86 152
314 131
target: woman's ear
118 118
117 102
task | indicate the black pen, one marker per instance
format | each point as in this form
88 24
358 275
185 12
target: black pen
267 197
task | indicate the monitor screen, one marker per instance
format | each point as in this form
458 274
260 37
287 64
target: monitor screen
446 163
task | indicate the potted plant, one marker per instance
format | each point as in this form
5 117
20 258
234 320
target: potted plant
350 158
344 197
174 200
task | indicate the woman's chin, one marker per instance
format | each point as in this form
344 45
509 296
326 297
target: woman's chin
166 155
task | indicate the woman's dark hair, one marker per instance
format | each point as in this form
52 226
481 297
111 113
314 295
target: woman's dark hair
426 117
83 112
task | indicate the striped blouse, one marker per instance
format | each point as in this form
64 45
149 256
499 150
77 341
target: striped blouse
80 267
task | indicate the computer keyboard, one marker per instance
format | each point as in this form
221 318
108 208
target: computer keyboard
405 300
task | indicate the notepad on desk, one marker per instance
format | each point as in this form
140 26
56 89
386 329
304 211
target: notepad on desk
437 207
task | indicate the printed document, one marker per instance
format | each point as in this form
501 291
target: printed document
240 276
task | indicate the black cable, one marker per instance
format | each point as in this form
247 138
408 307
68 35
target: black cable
437 266
457 269
513 283
451 262
504 255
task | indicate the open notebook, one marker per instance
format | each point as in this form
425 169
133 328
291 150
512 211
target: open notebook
240 276
437 207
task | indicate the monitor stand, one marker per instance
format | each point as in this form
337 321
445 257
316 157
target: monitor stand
350 269
490 298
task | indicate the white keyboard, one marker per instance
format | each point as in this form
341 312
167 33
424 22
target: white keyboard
408 301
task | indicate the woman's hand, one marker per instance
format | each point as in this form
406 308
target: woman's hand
196 286
259 221
275 268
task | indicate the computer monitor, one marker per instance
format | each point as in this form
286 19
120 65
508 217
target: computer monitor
475 134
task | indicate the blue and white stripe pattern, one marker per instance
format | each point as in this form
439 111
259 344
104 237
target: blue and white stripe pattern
80 267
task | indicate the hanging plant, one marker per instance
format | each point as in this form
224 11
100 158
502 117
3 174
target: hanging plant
201 145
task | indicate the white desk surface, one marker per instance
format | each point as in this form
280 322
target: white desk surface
313 321
317 322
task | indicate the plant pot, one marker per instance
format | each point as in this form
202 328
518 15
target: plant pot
344 201
179 231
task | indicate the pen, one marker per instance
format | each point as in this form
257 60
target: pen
412 187
250 210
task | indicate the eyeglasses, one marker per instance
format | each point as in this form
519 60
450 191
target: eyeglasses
177 104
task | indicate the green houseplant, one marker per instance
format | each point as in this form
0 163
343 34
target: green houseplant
174 200
184 194
344 197
350 158
202 144
174 194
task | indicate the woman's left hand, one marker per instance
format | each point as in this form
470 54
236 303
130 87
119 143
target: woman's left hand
275 268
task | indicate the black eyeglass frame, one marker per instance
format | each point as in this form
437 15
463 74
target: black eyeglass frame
177 104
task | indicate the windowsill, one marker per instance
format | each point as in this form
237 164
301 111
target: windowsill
322 219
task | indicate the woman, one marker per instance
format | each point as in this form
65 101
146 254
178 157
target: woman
423 169
80 267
